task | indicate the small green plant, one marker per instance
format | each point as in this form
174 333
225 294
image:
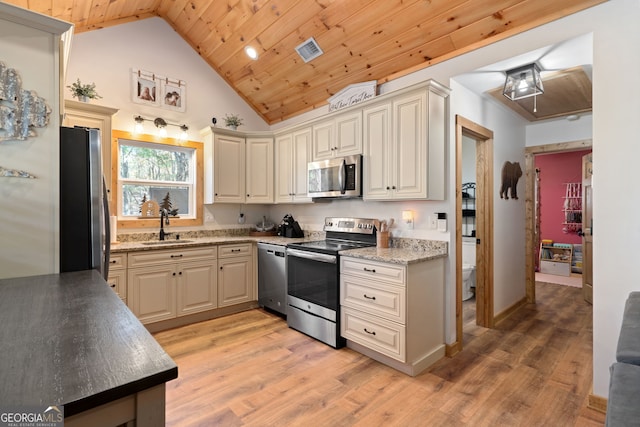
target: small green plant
232 120
78 90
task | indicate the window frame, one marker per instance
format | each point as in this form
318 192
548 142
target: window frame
116 184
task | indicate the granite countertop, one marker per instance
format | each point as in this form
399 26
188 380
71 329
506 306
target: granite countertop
397 255
405 251
68 339
188 242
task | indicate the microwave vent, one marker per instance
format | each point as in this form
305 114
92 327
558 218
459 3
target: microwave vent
309 50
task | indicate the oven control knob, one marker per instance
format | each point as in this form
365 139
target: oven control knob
359 225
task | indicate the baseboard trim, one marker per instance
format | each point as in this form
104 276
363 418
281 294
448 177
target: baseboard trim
199 317
509 311
597 403
452 349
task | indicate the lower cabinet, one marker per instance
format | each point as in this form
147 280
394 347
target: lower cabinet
394 313
164 284
235 274
117 279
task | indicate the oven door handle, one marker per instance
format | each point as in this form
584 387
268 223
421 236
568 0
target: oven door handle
313 256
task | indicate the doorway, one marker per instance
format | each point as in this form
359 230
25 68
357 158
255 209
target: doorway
531 235
466 129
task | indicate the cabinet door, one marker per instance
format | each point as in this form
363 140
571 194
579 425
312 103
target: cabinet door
151 292
196 287
348 129
378 154
301 159
284 168
229 169
259 170
234 281
410 137
118 282
324 143
97 117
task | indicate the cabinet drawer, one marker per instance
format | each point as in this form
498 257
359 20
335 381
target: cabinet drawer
377 334
240 249
376 298
155 257
370 269
117 261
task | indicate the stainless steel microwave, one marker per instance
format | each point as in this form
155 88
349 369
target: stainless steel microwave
335 178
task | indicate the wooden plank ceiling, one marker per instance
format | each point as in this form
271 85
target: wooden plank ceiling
362 40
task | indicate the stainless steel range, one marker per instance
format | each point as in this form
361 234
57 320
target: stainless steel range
313 277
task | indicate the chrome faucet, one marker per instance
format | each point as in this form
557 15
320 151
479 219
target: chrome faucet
164 219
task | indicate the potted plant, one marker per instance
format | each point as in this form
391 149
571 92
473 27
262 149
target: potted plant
232 121
83 92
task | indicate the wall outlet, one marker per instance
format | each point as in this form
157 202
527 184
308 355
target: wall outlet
433 221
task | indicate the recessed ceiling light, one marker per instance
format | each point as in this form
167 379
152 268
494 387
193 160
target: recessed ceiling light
251 52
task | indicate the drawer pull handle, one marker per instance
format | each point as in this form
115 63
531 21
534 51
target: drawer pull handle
113 286
370 270
236 250
176 256
370 333
368 297
113 261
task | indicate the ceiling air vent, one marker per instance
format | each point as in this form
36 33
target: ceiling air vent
309 50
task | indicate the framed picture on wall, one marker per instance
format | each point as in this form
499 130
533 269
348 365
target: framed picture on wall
145 87
173 94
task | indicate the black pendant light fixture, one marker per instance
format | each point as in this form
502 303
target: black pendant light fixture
523 82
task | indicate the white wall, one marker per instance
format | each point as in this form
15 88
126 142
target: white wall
108 55
29 215
560 130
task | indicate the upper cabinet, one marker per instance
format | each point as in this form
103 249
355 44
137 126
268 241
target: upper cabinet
405 138
259 177
238 167
293 151
93 116
339 136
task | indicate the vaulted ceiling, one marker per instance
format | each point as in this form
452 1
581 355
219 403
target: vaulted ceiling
362 40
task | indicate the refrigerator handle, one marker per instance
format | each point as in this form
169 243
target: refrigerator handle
107 231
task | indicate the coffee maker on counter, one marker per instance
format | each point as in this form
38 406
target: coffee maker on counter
289 227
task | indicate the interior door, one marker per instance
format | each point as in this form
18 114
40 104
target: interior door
587 228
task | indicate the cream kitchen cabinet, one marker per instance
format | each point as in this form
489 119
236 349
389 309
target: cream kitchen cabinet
164 284
235 274
405 138
293 153
224 152
394 313
93 116
259 178
338 136
117 279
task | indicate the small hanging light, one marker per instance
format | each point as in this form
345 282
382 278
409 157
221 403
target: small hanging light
523 82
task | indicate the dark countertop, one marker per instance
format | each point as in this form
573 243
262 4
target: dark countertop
67 339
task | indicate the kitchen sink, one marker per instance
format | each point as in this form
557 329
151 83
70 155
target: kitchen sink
166 242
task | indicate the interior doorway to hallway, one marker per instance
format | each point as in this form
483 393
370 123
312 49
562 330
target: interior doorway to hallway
481 233
532 233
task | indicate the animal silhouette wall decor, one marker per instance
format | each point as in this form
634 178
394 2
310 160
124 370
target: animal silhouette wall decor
511 173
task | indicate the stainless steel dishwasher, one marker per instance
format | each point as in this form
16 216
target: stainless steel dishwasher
272 277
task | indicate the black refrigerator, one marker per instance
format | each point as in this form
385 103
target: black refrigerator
84 207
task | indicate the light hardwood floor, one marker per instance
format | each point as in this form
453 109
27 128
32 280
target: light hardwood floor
533 369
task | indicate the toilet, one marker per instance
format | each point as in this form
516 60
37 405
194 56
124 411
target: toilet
468 281
468 268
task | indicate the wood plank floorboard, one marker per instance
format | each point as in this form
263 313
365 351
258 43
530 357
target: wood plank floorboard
250 369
